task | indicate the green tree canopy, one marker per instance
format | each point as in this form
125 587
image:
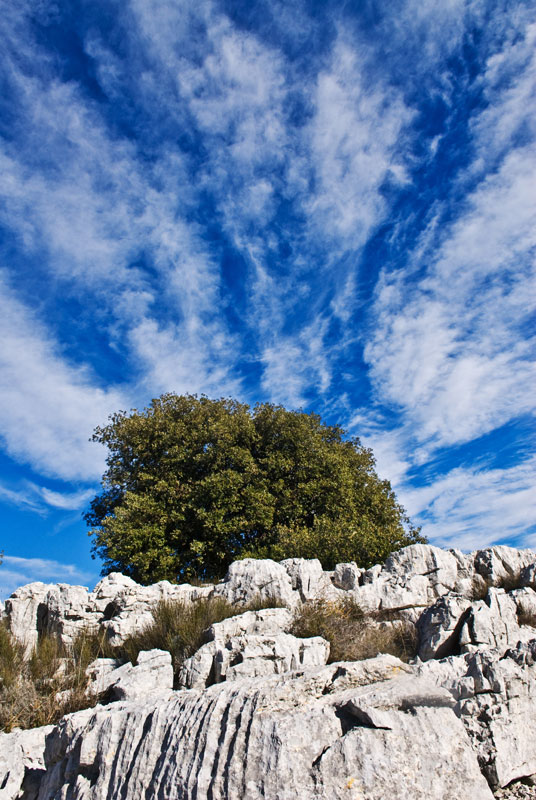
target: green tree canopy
194 483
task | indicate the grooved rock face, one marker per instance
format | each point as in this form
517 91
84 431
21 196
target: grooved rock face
311 735
261 715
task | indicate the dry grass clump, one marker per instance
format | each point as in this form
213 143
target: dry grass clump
526 617
11 658
352 634
180 628
41 689
481 585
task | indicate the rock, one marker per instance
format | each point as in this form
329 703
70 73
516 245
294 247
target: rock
347 576
153 674
411 579
280 738
253 579
265 621
22 764
264 716
25 610
251 645
132 619
500 716
501 565
68 612
99 674
528 576
492 623
494 695
309 579
440 626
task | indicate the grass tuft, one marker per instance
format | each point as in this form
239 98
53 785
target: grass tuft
353 634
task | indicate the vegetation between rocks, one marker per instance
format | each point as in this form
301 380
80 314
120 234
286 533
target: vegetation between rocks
354 635
52 681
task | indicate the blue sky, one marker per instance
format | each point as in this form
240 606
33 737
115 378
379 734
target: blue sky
330 206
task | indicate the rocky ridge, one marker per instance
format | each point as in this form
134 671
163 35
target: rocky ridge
261 714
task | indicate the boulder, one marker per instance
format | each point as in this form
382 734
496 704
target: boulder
493 623
254 579
251 645
309 579
439 627
25 611
22 762
152 675
502 565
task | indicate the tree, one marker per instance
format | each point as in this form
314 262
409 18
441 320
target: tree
194 483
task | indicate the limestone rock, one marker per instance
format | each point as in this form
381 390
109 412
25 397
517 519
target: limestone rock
251 645
152 675
347 576
99 674
493 623
67 611
264 715
24 611
257 579
22 764
500 716
265 621
309 579
281 738
411 578
440 626
502 565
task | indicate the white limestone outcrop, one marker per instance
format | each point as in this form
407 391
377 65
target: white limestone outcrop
260 714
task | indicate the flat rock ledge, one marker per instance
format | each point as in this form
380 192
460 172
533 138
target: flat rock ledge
262 715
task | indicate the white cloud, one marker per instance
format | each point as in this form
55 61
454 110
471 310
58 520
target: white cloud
470 508
175 358
28 495
48 407
23 498
355 144
16 571
450 350
510 90
92 207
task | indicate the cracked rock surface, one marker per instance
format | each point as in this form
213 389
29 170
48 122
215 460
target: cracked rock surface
260 713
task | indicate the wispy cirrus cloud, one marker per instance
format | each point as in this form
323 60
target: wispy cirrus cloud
470 507
48 407
200 197
450 348
30 496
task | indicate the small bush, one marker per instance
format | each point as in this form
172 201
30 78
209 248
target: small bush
352 634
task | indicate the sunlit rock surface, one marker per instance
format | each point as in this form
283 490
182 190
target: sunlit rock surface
262 715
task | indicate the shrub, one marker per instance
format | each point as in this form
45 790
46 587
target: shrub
352 634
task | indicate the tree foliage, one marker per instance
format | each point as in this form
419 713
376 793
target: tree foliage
194 483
